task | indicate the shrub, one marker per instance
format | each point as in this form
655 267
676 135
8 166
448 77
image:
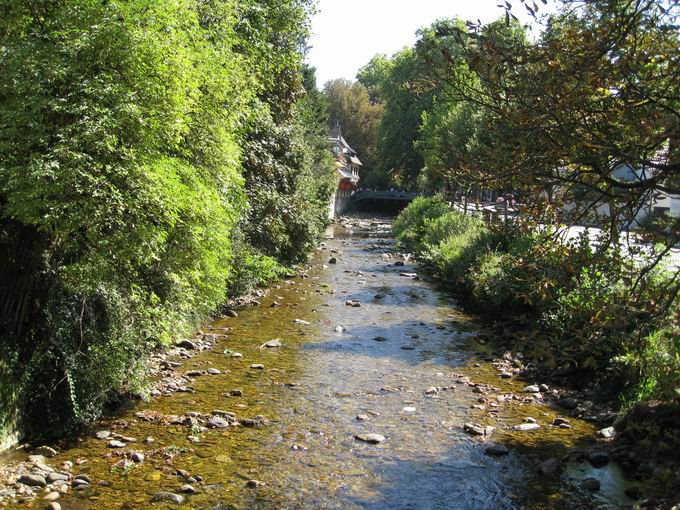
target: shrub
411 226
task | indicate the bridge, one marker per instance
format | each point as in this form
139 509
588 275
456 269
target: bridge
383 200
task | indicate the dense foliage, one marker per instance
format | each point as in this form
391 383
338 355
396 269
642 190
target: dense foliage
564 305
155 157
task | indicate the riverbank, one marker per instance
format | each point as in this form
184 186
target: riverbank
354 384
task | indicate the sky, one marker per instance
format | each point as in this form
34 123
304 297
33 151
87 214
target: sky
346 34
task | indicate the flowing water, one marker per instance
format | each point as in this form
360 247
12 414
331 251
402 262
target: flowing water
310 393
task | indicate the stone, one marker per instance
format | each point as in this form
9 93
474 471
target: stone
478 430
236 393
371 438
409 409
353 303
333 260
529 419
598 459
214 371
188 344
137 457
362 417
407 348
45 451
301 322
339 329
497 450
379 296
380 338
187 489
102 434
53 505
431 391
544 387
114 443
505 375
560 421
254 484
53 477
551 467
257 366
606 433
523 427
591 484
168 497
568 403
194 373
236 355
217 422
83 478
52 496
32 480
231 313
272 344
532 388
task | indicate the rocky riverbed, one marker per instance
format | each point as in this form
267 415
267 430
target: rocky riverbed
354 383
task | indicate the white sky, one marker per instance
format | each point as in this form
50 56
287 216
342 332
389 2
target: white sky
347 33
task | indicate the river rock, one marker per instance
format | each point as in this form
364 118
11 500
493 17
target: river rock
559 421
379 296
236 355
568 403
478 430
339 329
301 322
114 443
231 313
188 344
333 260
257 366
431 391
505 375
271 344
187 489
363 417
137 457
53 477
45 451
254 484
53 505
532 388
598 459
497 450
32 480
236 393
217 422
353 303
84 478
52 496
214 371
591 484
168 497
371 438
523 427
551 467
607 433
380 338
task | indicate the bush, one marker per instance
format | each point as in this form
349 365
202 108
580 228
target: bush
565 303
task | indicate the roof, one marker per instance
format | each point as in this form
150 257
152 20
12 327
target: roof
355 160
344 174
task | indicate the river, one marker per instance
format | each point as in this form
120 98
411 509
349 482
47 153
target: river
403 365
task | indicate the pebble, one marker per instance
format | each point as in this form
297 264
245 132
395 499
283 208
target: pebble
257 366
236 393
591 484
531 389
271 344
53 477
478 430
380 339
559 421
45 451
33 480
431 391
137 457
231 313
568 403
598 459
607 433
102 434
333 260
254 484
52 496
497 450
214 371
371 438
362 417
409 409
114 443
187 489
53 506
236 355
217 422
523 427
168 497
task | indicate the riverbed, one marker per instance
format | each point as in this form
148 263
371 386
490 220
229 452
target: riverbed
365 348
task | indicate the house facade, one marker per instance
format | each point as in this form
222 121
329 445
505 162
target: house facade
347 164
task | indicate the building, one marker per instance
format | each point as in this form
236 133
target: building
347 166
